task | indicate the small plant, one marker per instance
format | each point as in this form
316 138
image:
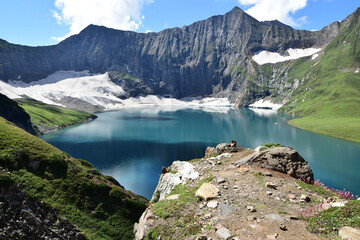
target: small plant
272 145
329 222
259 177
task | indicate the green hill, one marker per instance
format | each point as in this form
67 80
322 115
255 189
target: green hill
47 118
97 204
329 99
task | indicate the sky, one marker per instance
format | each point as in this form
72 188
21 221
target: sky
46 22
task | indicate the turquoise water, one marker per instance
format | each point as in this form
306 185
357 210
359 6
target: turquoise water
132 145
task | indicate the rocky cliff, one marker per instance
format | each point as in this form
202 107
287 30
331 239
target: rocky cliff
210 57
12 112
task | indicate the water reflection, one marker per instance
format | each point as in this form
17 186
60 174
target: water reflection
133 144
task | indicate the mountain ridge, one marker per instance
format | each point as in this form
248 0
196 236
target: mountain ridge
188 61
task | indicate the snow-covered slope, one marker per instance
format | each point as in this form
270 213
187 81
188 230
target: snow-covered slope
70 88
264 57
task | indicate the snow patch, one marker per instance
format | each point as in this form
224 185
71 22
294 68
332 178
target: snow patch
263 112
264 57
265 104
313 57
98 89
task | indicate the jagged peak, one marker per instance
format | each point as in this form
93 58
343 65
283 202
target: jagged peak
276 22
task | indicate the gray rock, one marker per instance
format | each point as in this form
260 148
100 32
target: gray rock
220 180
349 233
251 208
223 233
270 185
212 204
275 218
285 160
225 209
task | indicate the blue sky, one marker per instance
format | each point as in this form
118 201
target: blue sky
45 22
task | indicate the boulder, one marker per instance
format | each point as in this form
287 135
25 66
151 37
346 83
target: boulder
221 148
207 191
282 159
349 233
167 181
225 210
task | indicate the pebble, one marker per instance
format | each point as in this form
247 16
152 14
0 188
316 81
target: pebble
250 218
220 180
251 208
212 204
283 227
305 198
270 185
291 196
268 174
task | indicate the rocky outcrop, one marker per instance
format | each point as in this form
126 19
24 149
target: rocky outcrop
281 159
181 173
229 200
24 218
11 111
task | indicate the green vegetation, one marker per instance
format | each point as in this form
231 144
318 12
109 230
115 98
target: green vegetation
315 189
269 145
183 224
51 117
329 99
259 177
329 222
100 207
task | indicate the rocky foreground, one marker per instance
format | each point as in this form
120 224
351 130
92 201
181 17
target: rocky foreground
234 193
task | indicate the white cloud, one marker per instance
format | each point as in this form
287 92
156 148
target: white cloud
118 14
280 10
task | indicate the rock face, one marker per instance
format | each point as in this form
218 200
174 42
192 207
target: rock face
210 57
184 171
22 218
281 159
12 112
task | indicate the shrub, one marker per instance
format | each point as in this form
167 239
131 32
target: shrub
5 181
117 194
85 163
57 166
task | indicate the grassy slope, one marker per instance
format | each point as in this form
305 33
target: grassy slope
329 101
51 117
100 207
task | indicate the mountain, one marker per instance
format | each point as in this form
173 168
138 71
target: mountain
231 56
210 57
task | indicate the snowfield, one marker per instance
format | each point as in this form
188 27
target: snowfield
97 90
265 104
264 57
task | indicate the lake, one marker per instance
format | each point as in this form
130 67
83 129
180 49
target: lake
133 145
